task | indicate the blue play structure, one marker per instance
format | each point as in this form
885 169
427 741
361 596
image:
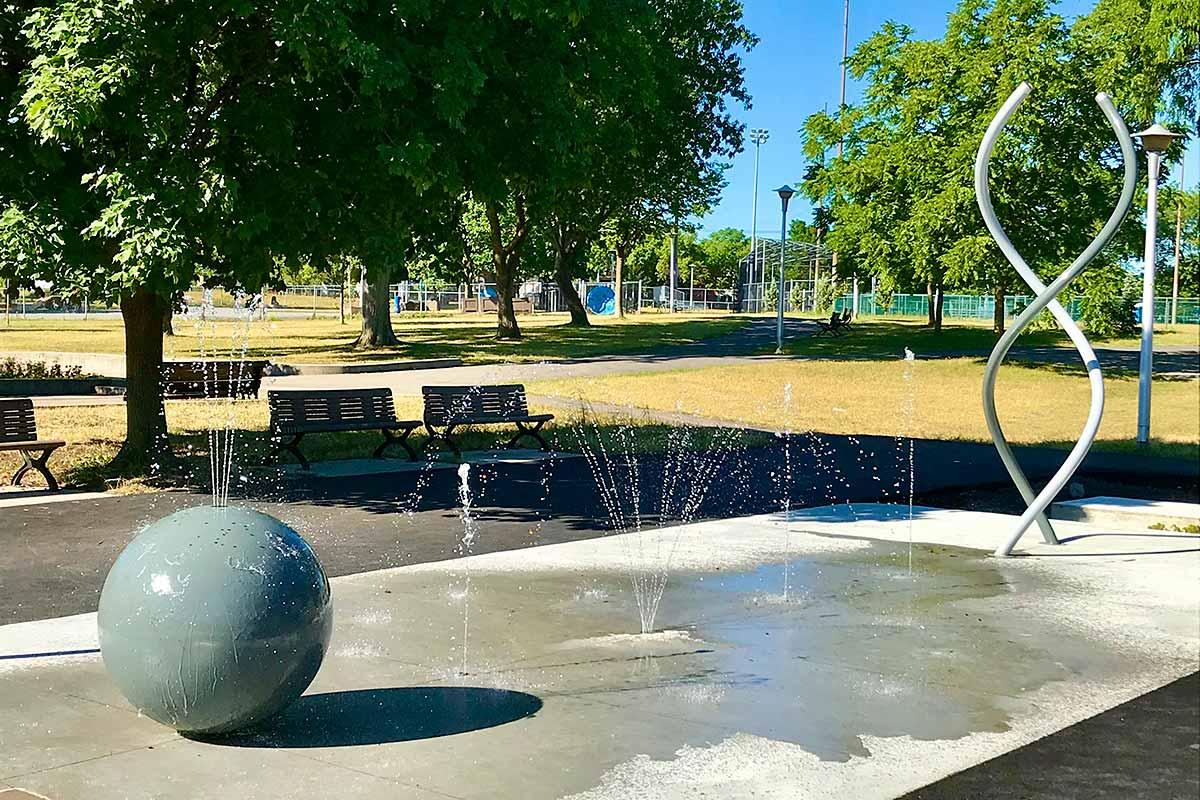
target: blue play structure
601 300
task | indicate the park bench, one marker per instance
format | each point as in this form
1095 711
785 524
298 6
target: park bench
450 407
18 431
224 379
521 305
836 326
300 412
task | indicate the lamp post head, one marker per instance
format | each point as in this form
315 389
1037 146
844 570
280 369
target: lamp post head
785 193
759 135
1156 138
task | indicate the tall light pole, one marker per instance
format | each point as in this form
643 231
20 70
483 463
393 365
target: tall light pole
785 194
759 136
1155 140
841 106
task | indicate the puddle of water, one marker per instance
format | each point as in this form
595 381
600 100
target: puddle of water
858 648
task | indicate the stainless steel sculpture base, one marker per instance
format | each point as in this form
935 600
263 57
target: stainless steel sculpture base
213 619
1045 298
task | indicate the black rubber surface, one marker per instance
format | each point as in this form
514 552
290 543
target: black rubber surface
1146 748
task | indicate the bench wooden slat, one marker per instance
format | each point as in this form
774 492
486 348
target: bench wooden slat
18 431
33 444
17 421
220 379
447 407
298 412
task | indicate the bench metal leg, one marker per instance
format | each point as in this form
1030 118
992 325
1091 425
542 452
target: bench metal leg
39 465
442 436
524 430
292 447
389 439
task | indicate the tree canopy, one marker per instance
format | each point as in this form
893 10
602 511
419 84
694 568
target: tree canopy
901 197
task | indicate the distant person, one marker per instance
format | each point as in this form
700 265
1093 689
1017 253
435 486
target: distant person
275 302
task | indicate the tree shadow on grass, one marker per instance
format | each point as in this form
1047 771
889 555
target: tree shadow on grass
381 716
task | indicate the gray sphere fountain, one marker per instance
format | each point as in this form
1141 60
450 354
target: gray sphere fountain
214 619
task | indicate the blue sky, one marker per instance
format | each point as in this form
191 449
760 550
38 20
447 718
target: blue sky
795 71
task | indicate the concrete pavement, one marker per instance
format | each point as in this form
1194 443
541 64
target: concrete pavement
790 656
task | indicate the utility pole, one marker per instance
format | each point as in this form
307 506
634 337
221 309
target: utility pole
842 105
759 136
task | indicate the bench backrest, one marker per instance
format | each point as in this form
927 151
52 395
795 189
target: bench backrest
17 423
213 378
471 404
321 409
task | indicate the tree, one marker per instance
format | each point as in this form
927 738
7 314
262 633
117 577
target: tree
1148 53
675 171
213 140
902 196
722 252
1178 209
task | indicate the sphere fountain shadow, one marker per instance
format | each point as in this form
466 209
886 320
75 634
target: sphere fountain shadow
382 716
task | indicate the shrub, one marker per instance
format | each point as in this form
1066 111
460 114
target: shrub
796 296
826 293
1106 305
770 295
38 370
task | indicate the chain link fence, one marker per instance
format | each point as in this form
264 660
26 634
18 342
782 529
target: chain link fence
971 306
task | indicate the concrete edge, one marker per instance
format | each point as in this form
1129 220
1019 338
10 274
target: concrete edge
281 369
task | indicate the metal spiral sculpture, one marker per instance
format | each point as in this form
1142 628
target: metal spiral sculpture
1045 298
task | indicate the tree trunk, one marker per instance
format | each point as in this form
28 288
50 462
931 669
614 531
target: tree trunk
566 287
929 306
998 311
506 279
376 315
168 313
146 447
506 261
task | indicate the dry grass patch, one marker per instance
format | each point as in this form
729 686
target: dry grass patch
467 336
1036 405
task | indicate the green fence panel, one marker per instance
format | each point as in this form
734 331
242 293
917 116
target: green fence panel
976 306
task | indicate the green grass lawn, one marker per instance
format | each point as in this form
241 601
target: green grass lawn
887 337
466 336
1036 406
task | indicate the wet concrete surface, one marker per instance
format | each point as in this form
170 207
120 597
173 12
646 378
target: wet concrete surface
789 657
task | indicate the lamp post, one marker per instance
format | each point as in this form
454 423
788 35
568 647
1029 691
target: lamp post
785 194
759 136
1155 140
